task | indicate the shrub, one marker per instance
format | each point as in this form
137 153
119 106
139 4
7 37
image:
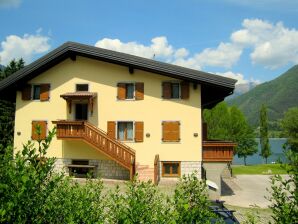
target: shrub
26 182
71 202
284 192
140 203
191 201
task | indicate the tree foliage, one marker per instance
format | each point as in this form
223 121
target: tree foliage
229 123
290 128
284 190
11 68
264 140
31 192
7 108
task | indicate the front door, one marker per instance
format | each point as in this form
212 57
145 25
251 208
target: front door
81 111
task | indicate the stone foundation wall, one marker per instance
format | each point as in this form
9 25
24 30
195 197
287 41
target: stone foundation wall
187 168
107 169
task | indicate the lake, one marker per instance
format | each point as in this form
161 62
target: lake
276 149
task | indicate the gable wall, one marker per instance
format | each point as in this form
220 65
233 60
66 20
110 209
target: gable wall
103 78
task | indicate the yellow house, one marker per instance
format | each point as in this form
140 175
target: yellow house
117 114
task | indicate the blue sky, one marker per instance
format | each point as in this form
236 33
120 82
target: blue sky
250 40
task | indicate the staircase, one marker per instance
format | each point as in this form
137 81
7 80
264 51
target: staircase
98 139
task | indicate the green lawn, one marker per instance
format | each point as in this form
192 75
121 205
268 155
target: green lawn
258 169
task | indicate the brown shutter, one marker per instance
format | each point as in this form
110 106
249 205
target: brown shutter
44 92
166 90
43 130
139 91
26 92
139 131
184 90
111 129
171 131
121 91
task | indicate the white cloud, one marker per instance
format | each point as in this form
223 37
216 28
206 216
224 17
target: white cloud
225 55
269 45
23 47
239 77
272 45
159 47
10 3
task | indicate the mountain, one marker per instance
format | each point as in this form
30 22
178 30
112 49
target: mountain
278 94
2 67
242 88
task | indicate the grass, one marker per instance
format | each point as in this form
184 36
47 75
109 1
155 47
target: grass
265 169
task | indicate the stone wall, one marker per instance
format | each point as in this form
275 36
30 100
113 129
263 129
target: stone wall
187 168
107 169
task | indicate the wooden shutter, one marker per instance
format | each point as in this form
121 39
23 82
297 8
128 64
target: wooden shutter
184 90
139 91
139 131
26 92
121 91
44 92
166 90
171 131
43 130
111 129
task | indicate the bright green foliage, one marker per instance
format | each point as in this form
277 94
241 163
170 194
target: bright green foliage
290 127
191 201
228 123
264 140
71 202
218 122
26 182
7 108
284 198
141 203
284 191
31 192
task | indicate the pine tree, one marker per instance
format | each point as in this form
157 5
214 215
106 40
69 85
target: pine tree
264 140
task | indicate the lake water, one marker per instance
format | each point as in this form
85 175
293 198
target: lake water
276 149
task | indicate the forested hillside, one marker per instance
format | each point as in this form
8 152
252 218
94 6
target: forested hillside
278 95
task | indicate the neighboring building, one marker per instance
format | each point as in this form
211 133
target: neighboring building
118 114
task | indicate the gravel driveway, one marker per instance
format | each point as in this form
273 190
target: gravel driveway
246 190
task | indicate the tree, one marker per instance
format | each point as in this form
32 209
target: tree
7 108
264 140
229 123
11 68
284 191
290 128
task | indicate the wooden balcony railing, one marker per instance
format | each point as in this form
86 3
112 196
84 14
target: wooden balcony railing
117 151
218 151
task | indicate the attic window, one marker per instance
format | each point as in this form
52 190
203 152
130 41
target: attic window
36 92
82 87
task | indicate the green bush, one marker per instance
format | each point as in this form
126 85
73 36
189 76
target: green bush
140 203
71 202
26 182
191 201
31 192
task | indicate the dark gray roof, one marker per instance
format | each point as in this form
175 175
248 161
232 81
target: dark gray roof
221 85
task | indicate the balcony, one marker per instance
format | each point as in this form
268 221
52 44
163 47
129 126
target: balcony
83 130
218 151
